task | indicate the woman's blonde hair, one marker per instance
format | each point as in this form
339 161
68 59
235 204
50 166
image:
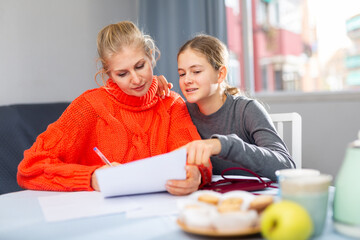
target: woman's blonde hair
114 37
215 52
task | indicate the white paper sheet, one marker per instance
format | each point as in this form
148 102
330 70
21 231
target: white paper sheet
73 205
142 176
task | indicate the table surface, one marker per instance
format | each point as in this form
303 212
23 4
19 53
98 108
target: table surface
21 218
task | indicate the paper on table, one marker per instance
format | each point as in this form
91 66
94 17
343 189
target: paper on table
72 205
153 205
142 176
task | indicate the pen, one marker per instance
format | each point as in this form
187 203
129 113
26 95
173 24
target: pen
105 160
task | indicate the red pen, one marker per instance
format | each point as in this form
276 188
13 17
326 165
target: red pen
105 160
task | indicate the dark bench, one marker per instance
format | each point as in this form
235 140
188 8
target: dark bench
20 124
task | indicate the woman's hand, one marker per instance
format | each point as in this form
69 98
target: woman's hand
163 86
94 183
187 186
200 151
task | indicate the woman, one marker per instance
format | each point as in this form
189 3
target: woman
125 119
238 131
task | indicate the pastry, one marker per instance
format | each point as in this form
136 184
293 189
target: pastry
235 221
198 216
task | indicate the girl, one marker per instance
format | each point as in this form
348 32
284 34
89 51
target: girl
238 130
125 119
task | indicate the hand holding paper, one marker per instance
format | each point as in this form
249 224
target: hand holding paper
184 187
142 176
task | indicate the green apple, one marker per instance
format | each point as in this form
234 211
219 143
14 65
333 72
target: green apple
286 220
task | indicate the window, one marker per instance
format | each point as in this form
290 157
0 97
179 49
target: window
298 45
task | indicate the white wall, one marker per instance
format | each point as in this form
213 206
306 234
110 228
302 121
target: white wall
330 121
48 47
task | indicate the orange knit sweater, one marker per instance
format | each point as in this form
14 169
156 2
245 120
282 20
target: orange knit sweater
125 128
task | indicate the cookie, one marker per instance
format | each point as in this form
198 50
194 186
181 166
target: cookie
230 205
208 198
233 200
225 208
261 202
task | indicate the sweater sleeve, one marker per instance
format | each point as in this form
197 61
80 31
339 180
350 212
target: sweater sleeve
183 131
53 162
266 151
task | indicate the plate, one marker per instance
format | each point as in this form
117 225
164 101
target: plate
214 233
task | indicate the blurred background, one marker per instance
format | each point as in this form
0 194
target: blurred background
292 55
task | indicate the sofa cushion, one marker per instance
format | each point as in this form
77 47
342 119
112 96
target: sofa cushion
19 126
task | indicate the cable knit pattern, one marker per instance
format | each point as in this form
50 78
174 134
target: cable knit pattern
125 128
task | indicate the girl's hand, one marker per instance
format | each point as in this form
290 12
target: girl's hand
187 186
163 87
94 183
200 151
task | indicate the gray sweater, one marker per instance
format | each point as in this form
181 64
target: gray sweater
247 135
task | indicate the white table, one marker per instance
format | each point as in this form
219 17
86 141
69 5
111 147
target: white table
21 218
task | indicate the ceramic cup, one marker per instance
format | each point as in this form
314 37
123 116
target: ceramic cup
293 172
312 193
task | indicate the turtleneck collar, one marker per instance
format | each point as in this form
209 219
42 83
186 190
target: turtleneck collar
144 102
